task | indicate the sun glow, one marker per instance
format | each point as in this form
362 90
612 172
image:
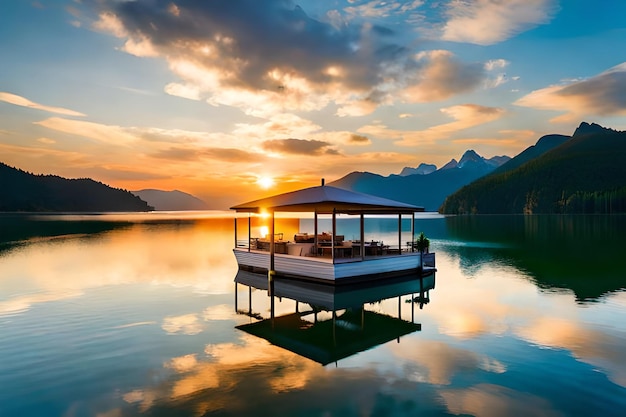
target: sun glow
265 182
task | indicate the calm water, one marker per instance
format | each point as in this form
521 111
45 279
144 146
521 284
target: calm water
125 315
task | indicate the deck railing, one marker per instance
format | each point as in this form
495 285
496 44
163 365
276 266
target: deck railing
343 249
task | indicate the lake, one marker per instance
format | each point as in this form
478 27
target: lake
134 314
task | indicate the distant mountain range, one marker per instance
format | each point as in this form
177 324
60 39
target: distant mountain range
425 185
171 200
422 169
582 174
23 191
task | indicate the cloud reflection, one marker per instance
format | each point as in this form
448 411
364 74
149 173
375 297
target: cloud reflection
218 312
164 255
188 324
500 301
216 381
487 400
588 345
441 361
20 304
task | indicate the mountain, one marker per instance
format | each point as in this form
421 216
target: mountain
451 164
588 129
23 191
422 169
584 174
171 200
426 190
543 145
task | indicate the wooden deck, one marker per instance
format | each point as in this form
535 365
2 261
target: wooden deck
323 268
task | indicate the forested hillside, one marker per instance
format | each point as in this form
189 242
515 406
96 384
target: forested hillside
585 174
23 191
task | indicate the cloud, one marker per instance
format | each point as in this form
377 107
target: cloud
494 64
143 157
464 115
277 126
46 141
499 78
55 157
137 91
138 157
359 140
442 76
486 22
148 140
269 59
299 146
113 135
381 9
381 162
199 153
24 102
511 142
602 95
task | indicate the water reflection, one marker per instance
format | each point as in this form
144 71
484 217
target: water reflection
138 319
171 254
331 322
581 253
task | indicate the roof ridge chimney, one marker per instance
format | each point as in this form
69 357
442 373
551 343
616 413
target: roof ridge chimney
323 182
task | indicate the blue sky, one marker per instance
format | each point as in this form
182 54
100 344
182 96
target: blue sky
216 97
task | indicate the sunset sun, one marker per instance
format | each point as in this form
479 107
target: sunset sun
265 182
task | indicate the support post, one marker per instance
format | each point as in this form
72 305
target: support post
412 308
235 230
399 234
249 232
250 300
412 231
271 273
334 325
315 242
236 296
272 245
272 309
362 237
362 317
332 238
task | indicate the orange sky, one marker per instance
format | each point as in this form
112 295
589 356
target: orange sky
218 99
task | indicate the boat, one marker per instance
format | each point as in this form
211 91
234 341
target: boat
328 257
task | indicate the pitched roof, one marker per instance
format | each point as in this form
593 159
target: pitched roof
326 199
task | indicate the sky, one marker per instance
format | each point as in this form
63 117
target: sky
232 100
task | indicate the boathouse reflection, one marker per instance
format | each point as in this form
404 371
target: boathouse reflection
332 322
